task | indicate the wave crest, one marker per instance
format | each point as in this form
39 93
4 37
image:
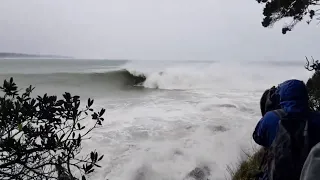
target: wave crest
122 76
113 78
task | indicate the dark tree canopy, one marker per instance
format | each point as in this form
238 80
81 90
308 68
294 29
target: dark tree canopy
313 84
40 138
296 10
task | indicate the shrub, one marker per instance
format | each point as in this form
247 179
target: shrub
41 137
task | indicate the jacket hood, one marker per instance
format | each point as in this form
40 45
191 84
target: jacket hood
293 96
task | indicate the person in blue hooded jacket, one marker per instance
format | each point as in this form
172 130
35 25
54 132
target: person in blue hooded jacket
293 98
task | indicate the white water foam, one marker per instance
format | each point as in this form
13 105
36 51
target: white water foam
222 76
203 118
189 115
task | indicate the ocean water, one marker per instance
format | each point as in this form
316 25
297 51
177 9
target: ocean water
186 115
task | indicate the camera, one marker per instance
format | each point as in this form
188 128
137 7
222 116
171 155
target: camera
269 101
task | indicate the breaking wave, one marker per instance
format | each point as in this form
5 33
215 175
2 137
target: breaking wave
180 76
114 78
220 76
123 77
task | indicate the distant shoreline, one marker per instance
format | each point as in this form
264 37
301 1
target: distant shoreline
22 55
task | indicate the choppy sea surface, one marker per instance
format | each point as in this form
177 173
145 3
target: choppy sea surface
185 115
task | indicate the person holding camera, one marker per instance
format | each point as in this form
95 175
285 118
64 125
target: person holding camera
287 130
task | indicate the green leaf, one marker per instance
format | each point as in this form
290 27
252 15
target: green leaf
90 171
20 127
92 156
102 112
90 102
100 158
79 140
95 156
94 116
62 136
90 166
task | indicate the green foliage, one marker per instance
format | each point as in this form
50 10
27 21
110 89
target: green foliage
313 84
41 137
247 169
276 10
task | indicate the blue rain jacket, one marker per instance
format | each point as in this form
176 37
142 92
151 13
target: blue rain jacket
293 100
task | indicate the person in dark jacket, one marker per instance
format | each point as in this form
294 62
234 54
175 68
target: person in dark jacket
293 100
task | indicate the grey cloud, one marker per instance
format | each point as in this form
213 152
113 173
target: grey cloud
149 29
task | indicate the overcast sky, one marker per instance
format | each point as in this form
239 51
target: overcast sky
150 30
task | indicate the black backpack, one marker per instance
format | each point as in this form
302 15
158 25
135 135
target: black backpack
290 148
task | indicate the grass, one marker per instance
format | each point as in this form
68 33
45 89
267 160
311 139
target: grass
247 168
